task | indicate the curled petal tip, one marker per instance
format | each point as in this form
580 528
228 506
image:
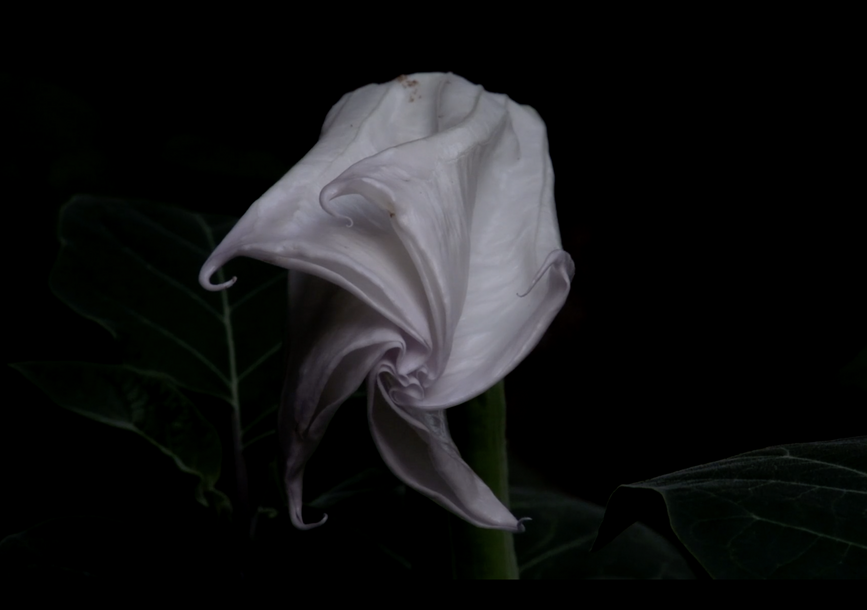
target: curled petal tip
218 287
521 529
299 523
326 195
205 280
552 259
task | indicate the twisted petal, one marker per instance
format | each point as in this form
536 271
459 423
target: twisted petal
417 446
426 214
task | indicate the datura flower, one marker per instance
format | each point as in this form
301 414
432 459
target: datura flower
424 257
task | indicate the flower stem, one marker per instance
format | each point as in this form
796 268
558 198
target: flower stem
479 430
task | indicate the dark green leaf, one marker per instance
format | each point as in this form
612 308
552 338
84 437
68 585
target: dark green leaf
145 404
133 267
557 543
793 511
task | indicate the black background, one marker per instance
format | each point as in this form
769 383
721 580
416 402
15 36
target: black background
708 188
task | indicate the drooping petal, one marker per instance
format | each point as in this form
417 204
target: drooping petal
418 448
336 341
288 227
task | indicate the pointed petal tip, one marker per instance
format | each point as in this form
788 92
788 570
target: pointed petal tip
520 528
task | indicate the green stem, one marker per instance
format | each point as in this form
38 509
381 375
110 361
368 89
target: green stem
479 430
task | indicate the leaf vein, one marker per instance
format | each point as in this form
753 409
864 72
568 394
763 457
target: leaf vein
254 291
170 280
259 361
171 234
568 546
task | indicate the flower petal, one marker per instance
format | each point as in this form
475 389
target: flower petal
428 187
418 448
519 276
288 227
428 206
336 341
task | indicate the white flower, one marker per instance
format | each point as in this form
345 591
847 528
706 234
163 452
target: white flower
424 228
